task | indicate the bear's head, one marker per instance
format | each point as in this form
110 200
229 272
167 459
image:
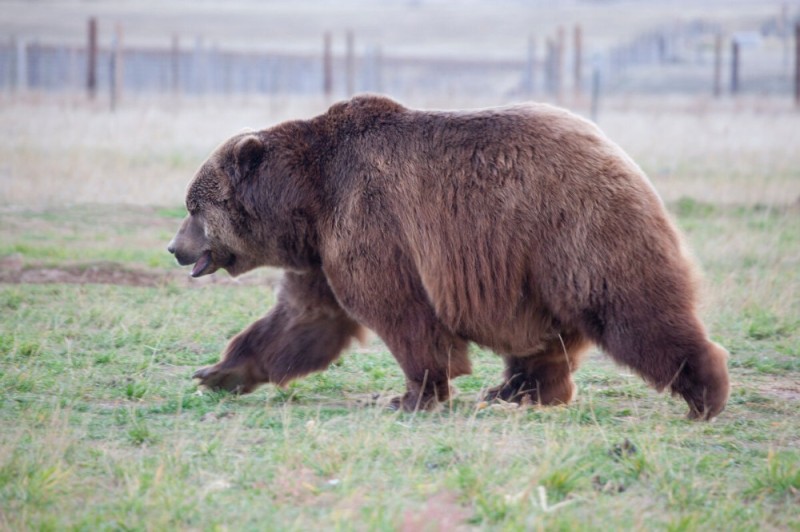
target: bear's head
247 208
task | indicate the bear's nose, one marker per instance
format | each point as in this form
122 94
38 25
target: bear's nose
171 247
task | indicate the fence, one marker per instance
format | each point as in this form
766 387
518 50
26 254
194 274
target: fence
689 58
203 70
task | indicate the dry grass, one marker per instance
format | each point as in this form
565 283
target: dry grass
744 151
65 152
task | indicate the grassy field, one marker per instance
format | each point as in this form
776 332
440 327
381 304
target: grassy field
103 428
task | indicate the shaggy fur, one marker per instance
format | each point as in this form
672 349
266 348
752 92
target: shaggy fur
523 229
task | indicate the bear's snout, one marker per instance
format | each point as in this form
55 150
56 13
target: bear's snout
185 259
190 242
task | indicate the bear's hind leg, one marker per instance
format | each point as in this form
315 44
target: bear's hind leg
704 383
670 350
545 377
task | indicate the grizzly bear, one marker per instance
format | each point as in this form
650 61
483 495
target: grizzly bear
522 229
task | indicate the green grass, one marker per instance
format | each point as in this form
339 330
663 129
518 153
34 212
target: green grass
93 233
103 428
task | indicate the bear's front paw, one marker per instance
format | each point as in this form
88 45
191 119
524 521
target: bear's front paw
234 380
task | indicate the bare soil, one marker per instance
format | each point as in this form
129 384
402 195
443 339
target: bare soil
14 271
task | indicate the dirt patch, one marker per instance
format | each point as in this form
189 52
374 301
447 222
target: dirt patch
784 391
442 511
95 274
13 270
777 387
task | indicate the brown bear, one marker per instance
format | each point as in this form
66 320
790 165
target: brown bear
522 229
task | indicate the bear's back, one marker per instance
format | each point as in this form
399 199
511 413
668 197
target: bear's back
497 209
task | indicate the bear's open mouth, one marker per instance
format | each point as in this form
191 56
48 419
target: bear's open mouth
202 264
230 265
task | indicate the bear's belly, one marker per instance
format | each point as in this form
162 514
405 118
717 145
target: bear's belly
521 334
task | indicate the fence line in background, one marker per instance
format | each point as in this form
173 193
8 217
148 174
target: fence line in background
671 59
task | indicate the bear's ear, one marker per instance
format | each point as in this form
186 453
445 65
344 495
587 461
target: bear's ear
247 155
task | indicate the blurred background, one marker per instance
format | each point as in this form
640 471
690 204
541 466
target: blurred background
120 102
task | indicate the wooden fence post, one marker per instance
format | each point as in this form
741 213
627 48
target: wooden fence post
197 80
10 66
661 47
578 43
549 67
530 68
785 33
73 71
559 63
327 67
91 59
175 65
116 76
9 73
350 65
595 91
21 66
797 64
377 70
718 65
734 66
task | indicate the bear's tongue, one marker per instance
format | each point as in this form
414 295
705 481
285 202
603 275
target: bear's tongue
202 263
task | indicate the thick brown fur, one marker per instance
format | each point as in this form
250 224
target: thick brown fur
523 229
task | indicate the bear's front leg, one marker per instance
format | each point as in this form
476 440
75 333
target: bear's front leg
428 353
303 333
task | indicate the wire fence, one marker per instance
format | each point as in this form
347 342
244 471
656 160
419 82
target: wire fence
691 58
